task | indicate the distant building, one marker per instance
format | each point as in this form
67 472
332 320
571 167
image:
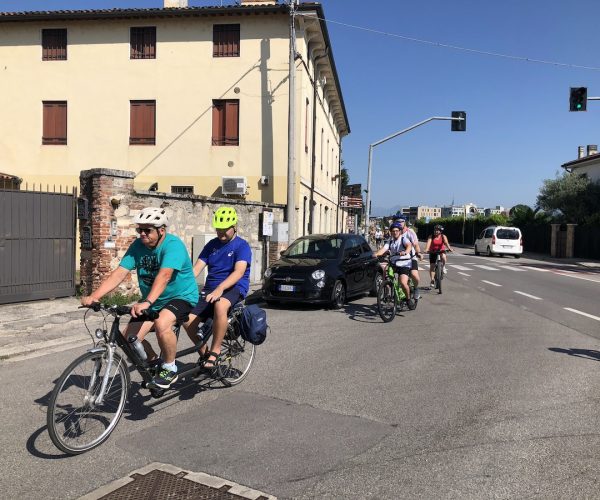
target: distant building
424 212
453 211
588 165
498 210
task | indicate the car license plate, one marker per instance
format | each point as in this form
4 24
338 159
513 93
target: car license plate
287 288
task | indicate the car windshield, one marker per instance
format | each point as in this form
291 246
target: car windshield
507 234
308 248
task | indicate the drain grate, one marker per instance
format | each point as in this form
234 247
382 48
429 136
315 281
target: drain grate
163 481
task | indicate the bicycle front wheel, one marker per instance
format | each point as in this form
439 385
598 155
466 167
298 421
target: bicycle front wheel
77 422
237 357
438 277
387 301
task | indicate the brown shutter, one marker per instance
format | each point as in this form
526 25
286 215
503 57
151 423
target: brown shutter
54 127
218 124
54 44
142 122
143 42
232 113
226 40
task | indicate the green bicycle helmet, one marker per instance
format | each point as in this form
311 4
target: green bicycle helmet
224 218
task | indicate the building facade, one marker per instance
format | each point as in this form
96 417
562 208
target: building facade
192 99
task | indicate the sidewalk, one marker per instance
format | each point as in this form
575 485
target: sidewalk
43 326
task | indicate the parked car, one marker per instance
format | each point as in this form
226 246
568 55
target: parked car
322 268
500 240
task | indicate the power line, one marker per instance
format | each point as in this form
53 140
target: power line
464 49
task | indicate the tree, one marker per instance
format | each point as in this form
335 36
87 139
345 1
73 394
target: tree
575 196
344 178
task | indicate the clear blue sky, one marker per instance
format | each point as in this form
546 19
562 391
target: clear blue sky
519 128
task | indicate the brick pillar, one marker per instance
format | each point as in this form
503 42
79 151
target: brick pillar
103 188
570 251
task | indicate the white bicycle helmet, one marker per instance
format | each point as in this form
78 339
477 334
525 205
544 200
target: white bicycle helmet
152 216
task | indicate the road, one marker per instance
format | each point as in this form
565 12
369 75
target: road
480 393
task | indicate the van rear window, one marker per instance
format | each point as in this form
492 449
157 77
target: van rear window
507 234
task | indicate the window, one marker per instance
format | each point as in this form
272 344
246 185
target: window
226 117
182 189
142 123
143 42
55 123
226 40
54 45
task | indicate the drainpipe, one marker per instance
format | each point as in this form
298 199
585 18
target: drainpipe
311 203
339 181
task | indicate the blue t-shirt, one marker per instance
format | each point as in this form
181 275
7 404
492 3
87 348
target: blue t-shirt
171 254
221 258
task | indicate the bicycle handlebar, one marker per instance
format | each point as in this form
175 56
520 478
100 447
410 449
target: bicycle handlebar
119 310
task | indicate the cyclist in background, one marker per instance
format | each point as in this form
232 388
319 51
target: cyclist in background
400 250
416 253
437 243
167 286
378 238
228 258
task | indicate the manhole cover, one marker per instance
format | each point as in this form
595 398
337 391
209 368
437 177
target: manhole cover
163 481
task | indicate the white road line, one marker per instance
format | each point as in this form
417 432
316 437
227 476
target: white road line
460 268
576 277
582 313
527 295
511 268
490 283
464 274
536 269
487 268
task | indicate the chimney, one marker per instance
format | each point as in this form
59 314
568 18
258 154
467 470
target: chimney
580 152
592 149
175 4
259 2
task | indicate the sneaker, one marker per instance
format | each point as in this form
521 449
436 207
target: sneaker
417 294
445 271
164 379
432 284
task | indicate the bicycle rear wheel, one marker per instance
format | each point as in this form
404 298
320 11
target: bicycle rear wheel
387 301
237 357
76 422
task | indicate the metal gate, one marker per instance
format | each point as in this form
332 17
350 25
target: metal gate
37 245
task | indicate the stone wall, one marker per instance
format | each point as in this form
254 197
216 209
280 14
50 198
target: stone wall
113 203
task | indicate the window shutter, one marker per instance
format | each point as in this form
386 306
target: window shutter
54 128
54 44
218 128
142 122
232 123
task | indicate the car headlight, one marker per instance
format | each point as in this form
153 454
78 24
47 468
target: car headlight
319 274
268 272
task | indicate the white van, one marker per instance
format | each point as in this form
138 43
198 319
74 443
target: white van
499 240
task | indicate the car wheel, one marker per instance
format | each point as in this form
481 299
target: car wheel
339 295
476 251
517 256
376 284
489 252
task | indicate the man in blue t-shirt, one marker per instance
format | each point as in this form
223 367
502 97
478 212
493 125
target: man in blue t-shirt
228 258
167 284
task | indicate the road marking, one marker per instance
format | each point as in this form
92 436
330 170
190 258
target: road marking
575 276
536 269
511 268
527 295
464 274
460 268
491 283
582 313
487 268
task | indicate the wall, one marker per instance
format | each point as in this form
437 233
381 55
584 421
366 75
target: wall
111 198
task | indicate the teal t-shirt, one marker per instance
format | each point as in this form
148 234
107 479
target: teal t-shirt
171 254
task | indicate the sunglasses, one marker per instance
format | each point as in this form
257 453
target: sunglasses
145 230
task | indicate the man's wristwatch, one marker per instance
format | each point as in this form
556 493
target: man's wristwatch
146 300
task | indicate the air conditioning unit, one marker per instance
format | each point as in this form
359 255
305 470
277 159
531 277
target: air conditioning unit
234 185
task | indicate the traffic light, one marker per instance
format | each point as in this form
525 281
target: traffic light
458 125
578 99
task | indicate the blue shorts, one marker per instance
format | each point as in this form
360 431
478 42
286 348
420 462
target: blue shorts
207 309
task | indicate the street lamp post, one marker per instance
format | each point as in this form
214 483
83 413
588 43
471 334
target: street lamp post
385 139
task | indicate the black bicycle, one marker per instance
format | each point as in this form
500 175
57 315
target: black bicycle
438 273
89 397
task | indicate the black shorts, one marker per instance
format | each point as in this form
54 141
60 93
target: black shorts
433 257
415 265
180 308
206 310
402 271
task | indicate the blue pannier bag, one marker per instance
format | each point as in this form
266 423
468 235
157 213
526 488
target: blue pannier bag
253 324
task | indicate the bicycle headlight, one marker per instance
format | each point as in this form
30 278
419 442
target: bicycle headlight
268 272
99 333
319 274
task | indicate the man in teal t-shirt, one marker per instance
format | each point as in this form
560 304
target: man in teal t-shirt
167 284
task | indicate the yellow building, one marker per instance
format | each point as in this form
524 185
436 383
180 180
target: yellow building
192 99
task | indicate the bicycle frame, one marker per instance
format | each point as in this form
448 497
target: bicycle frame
400 295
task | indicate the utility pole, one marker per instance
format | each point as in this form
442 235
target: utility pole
291 171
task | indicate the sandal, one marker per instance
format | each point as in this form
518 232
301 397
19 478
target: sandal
210 364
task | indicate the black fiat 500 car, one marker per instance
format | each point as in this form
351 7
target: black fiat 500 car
322 268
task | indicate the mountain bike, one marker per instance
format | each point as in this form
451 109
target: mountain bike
89 397
391 296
